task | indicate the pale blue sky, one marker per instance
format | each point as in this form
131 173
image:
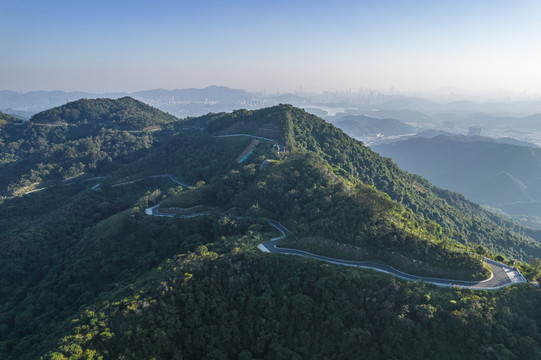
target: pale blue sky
98 46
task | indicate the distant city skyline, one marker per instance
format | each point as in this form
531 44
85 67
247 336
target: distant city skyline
415 46
441 95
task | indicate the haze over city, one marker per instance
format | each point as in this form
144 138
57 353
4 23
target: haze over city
279 46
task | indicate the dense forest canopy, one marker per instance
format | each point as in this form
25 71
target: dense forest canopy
124 113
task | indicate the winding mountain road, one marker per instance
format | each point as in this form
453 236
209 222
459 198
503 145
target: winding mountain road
502 275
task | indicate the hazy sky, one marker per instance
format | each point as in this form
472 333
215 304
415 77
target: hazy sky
99 46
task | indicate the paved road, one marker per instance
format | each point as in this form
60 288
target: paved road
281 147
502 275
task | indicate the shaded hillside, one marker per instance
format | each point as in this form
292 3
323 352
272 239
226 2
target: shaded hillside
487 172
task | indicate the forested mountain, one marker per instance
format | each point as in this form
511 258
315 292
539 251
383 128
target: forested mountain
504 176
83 138
87 273
123 114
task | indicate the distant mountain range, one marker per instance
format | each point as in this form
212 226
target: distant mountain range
502 173
432 133
180 102
217 97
